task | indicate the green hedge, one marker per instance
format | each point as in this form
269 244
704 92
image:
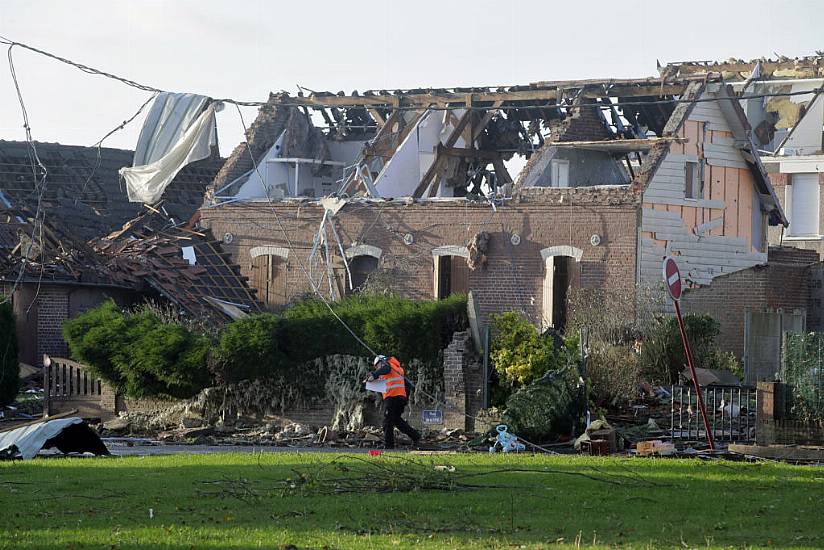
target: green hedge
277 345
145 353
9 366
138 352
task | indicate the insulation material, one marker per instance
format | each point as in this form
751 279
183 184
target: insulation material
67 434
146 183
403 172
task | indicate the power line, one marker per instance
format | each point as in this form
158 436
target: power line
99 146
39 188
97 72
289 241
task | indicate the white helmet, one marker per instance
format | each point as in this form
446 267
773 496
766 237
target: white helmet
378 360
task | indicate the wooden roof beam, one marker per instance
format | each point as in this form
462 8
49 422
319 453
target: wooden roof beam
511 98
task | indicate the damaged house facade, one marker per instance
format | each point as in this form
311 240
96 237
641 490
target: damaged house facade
422 196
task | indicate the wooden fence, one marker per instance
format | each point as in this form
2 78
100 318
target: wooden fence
68 385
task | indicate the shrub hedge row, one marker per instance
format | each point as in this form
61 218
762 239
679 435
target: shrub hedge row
144 354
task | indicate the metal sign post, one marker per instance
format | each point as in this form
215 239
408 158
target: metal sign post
672 280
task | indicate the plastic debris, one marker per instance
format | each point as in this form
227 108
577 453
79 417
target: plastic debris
506 441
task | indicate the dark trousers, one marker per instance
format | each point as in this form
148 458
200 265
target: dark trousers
392 411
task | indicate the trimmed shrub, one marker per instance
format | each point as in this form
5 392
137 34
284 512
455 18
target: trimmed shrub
97 337
404 328
138 352
249 349
9 365
150 351
163 359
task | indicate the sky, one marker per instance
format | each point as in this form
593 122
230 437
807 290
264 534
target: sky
244 49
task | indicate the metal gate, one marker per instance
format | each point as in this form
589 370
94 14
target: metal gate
731 411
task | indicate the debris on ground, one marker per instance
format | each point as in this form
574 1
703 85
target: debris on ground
67 435
506 442
598 439
388 473
655 447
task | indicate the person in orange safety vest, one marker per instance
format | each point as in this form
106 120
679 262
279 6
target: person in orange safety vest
394 400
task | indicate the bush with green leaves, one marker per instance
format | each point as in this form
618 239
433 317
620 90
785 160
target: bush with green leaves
139 352
407 329
249 349
520 354
9 365
662 353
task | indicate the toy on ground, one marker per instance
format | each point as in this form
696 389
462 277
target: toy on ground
506 442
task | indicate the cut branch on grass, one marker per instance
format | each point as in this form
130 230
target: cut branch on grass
348 474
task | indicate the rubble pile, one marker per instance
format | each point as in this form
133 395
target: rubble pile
141 428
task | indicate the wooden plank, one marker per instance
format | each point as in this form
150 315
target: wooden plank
379 120
501 172
442 98
780 452
745 191
731 200
701 203
437 164
726 163
478 128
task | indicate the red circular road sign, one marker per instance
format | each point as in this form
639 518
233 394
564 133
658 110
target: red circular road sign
672 278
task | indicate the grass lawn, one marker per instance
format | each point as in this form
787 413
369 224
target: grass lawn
243 501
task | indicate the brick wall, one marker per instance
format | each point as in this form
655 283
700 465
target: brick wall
52 310
512 278
784 283
463 382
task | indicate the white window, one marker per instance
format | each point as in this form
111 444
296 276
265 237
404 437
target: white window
694 180
560 173
802 205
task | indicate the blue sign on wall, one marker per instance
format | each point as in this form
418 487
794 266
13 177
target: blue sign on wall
432 417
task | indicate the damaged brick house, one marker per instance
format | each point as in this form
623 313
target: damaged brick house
782 101
89 243
617 176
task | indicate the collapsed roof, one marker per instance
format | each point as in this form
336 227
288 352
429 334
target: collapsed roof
787 114
185 266
451 142
427 143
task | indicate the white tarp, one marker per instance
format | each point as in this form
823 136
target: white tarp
30 439
146 183
170 116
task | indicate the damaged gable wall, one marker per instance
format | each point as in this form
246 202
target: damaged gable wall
722 231
585 167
